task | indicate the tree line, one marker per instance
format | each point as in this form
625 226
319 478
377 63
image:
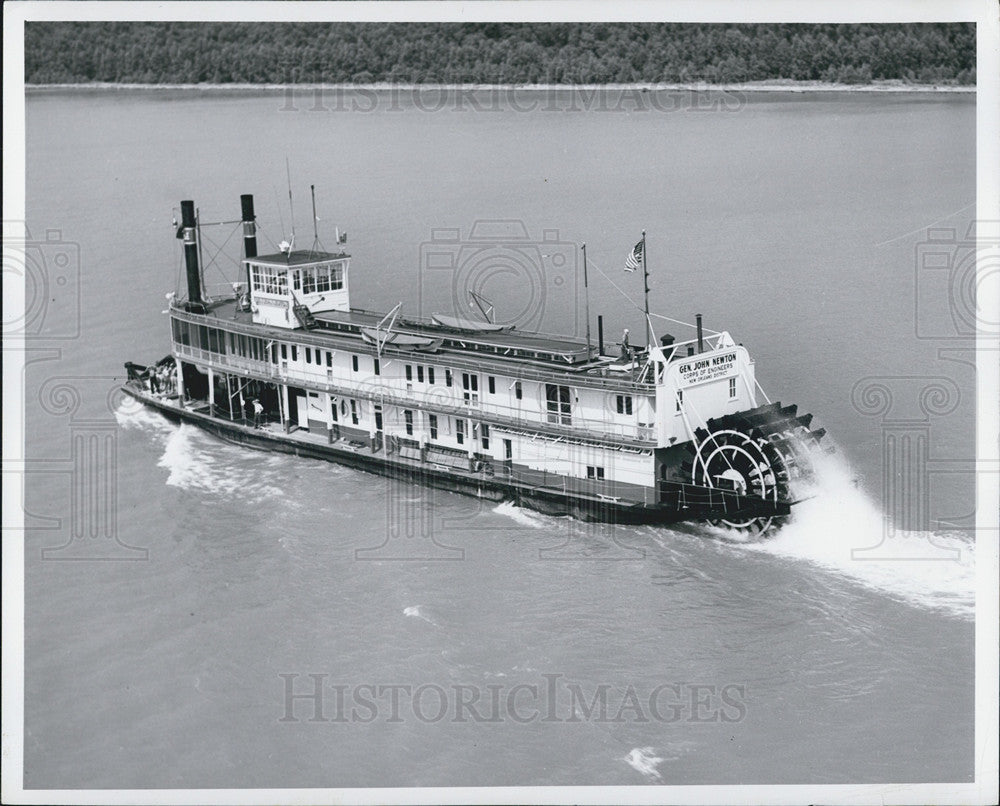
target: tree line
506 53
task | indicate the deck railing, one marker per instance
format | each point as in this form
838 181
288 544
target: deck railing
328 340
429 399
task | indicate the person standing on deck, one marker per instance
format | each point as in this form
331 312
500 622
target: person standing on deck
258 411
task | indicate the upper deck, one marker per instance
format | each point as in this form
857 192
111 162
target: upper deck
522 354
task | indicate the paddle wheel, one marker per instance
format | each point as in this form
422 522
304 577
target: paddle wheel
765 452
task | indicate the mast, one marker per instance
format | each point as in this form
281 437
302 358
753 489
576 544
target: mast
586 297
312 190
645 285
291 208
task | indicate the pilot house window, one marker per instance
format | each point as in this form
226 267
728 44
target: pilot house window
269 279
325 277
732 387
624 404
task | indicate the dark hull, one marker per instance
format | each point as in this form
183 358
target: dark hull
547 500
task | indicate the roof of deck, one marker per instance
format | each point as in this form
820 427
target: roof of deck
299 257
554 353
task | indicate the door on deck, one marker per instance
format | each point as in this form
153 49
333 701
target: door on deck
302 409
316 412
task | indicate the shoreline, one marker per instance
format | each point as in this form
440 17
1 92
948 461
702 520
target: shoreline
762 86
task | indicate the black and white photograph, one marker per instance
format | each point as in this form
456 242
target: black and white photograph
501 402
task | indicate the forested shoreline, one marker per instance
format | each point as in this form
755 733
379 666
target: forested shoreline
496 53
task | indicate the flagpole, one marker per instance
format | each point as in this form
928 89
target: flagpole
586 298
645 284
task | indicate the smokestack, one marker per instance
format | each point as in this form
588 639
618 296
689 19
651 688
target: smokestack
701 341
600 335
249 231
191 256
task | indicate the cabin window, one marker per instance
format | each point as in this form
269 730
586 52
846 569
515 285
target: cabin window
420 374
557 404
377 366
491 382
447 377
333 410
517 390
732 388
484 433
432 424
323 277
336 276
409 372
354 412
179 328
624 404
296 282
284 352
680 399
595 472
354 363
470 387
408 418
430 374
295 353
378 418
268 280
309 356
460 431
329 359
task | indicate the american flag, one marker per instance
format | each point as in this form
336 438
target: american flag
635 256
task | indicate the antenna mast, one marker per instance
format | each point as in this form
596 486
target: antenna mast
291 209
316 243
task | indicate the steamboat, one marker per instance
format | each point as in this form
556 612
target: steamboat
667 432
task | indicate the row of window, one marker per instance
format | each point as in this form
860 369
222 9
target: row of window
269 279
317 279
482 429
221 342
470 381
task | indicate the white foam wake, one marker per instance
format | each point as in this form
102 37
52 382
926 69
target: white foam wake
197 462
131 414
520 515
842 530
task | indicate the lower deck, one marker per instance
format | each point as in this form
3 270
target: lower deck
406 453
471 473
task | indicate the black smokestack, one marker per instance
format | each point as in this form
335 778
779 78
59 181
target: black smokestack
191 256
600 335
249 231
249 226
701 341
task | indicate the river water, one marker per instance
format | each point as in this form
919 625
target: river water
175 612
